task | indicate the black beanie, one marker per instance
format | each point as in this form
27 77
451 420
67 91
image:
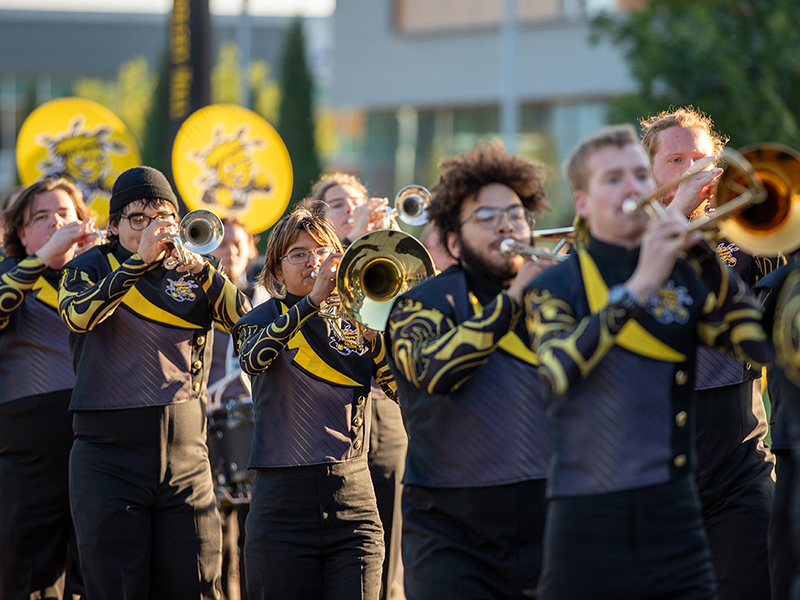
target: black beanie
140 183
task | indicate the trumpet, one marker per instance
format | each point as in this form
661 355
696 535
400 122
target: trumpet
200 231
410 206
510 247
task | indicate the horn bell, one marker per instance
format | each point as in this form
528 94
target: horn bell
375 269
201 231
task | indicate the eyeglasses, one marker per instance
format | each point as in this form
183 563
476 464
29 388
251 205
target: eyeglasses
140 222
489 217
299 257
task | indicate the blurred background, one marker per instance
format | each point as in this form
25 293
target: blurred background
394 86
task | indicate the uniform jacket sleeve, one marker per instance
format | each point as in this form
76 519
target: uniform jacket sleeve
15 283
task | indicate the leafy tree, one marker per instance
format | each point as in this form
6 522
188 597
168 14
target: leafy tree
736 61
296 113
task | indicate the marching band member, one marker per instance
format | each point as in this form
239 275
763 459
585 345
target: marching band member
140 483
734 465
474 494
342 198
42 230
313 530
615 329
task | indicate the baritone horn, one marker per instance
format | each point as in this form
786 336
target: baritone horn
200 231
375 269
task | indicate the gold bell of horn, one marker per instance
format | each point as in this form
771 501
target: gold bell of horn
375 269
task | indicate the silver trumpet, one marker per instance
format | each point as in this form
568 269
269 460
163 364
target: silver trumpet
200 232
410 206
509 247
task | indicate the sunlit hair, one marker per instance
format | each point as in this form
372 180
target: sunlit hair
576 167
18 214
284 234
686 117
463 177
316 203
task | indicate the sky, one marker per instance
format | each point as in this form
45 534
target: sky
256 7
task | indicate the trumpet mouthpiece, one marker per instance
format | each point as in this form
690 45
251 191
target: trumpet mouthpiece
507 247
313 274
630 206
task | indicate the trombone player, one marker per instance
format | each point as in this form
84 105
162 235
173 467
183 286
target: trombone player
474 493
734 465
140 481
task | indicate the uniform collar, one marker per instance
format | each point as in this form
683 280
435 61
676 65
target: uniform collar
612 253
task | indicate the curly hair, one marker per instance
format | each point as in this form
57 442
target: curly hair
463 177
284 233
17 215
316 203
686 117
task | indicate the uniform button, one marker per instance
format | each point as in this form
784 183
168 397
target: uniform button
197 364
196 387
201 340
361 400
681 418
358 422
681 377
679 460
357 444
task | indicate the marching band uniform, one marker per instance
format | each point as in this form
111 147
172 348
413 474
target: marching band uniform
313 529
473 499
36 380
734 464
140 483
624 517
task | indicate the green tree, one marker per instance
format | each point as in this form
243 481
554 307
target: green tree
156 143
736 61
296 122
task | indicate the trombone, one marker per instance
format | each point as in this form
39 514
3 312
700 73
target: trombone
200 231
510 247
755 203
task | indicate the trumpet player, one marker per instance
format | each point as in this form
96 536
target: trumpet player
474 493
140 481
313 529
616 328
42 231
734 465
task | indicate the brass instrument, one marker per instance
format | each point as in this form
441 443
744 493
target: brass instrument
200 231
410 206
770 225
375 269
509 247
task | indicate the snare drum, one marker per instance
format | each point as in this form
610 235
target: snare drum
230 434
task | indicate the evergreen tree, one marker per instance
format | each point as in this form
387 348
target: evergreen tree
156 146
296 113
736 61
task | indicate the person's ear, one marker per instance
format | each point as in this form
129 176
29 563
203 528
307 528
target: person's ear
454 245
580 200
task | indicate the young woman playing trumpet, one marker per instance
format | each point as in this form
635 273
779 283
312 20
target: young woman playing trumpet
313 530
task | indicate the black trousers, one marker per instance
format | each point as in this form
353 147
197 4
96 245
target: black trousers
640 544
473 543
783 563
143 504
736 490
313 532
35 522
388 443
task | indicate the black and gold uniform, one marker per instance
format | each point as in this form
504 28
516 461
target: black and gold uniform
36 382
624 518
473 497
313 530
141 488
734 464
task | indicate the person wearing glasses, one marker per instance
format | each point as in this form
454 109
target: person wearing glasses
313 530
474 486
140 481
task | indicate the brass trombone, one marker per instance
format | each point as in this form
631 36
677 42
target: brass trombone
509 247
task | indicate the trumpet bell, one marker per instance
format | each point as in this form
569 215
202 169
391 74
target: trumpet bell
375 269
201 231
411 204
771 226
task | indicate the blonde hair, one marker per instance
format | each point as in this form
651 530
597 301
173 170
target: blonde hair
576 167
284 234
686 117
